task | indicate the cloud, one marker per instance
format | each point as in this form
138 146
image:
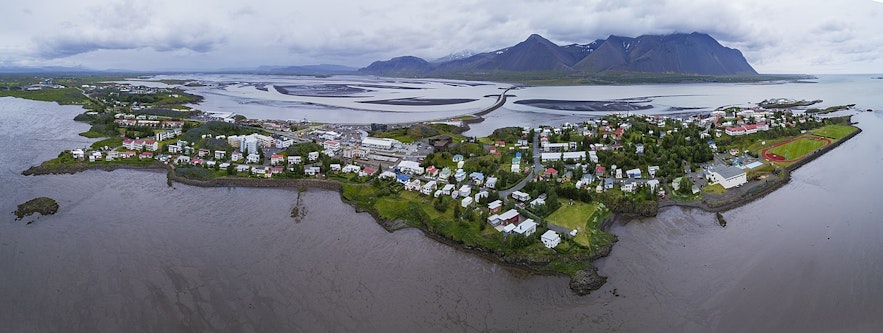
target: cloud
128 25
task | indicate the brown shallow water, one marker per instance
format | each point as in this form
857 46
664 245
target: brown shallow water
127 253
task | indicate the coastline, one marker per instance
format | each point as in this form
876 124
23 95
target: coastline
582 282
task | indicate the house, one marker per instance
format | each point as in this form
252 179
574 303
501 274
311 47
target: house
460 175
127 154
633 173
599 171
515 168
639 149
608 183
482 194
331 145
276 159
520 196
197 161
295 160
275 171
629 185
538 201
356 152
653 184
465 190
243 168
351 168
312 171
235 156
494 219
367 172
445 173
253 158
466 202
150 145
182 160
495 207
477 178
526 228
335 167
402 178
260 170
78 154
728 176
652 170
431 171
429 187
220 154
210 163
413 185
284 142
508 229
457 158
509 217
550 173
312 156
410 167
550 239
202 152
145 155
491 182
447 189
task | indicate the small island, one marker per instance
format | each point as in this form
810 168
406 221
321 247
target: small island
44 205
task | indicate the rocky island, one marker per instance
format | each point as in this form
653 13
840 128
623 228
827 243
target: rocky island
43 205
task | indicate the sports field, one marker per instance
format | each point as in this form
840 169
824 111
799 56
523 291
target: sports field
795 149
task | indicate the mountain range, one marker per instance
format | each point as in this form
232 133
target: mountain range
693 53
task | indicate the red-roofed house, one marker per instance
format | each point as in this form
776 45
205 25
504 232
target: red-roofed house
277 159
551 172
196 161
275 170
599 170
431 171
735 131
145 155
129 143
151 145
127 154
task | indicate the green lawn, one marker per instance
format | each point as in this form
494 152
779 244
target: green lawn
579 216
798 148
109 142
835 132
714 189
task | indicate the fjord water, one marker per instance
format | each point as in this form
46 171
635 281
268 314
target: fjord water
127 253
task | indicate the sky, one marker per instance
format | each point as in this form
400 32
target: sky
781 36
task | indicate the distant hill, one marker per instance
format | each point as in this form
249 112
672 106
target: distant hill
694 53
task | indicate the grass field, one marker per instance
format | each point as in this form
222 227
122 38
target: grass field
797 148
579 216
835 132
714 189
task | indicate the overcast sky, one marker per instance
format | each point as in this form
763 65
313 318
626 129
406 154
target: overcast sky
776 36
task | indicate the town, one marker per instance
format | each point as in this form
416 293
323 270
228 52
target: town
535 196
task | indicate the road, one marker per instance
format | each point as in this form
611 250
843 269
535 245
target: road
535 169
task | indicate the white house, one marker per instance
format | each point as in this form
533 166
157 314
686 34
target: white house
429 187
220 154
312 171
633 173
295 160
728 176
243 168
550 239
491 182
351 168
253 158
447 189
378 143
335 167
465 190
527 228
537 202
466 202
313 155
410 167
653 184
652 170
387 175
482 194
78 154
520 196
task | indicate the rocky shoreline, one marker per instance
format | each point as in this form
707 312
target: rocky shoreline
582 282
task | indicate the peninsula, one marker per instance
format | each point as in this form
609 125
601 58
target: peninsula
537 197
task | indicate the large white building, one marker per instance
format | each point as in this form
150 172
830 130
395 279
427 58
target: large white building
378 143
568 155
728 176
411 167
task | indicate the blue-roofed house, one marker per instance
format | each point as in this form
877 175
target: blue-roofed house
402 178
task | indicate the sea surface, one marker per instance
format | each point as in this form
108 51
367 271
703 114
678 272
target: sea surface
125 252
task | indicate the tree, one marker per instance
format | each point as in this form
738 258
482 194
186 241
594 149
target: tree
686 186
